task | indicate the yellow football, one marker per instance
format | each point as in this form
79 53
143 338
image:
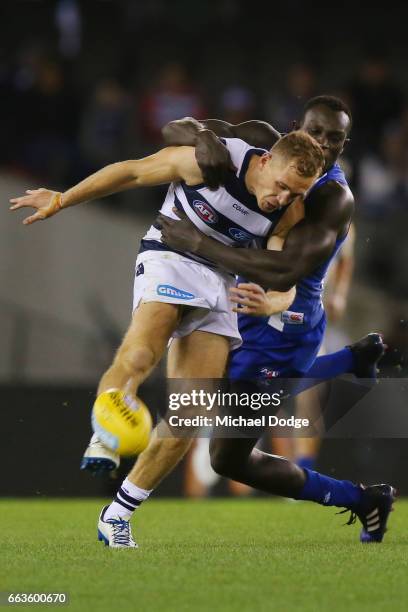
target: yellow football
122 423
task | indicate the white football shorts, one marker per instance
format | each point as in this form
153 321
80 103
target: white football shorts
164 276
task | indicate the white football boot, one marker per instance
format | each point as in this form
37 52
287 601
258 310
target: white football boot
115 532
98 458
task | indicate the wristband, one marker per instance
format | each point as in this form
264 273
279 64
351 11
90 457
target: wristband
56 202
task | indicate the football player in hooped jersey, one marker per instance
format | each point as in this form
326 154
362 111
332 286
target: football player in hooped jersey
178 294
286 345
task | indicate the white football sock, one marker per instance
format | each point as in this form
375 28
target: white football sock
128 498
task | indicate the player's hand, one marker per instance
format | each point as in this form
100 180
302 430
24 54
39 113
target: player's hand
181 235
45 202
213 159
251 299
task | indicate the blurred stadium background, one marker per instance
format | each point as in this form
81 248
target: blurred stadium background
87 83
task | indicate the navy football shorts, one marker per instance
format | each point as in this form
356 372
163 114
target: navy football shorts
288 355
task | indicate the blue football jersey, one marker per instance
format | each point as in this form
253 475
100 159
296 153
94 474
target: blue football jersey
307 310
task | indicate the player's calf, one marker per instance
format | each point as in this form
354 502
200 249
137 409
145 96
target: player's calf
158 460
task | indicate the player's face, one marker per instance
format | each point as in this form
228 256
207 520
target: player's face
279 184
330 129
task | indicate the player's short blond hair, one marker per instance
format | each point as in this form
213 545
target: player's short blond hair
302 151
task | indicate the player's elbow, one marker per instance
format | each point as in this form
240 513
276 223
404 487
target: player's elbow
168 132
174 132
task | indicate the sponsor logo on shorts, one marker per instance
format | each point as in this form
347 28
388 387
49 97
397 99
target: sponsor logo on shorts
293 318
205 211
173 292
139 269
267 373
240 209
239 234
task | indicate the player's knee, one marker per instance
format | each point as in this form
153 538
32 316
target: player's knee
221 462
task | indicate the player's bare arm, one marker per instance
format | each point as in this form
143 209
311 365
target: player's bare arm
211 154
252 299
308 243
188 131
169 164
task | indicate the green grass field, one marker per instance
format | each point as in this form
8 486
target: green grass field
204 555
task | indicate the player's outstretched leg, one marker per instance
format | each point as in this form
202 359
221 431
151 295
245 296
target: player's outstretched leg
238 459
142 347
153 323
199 355
360 358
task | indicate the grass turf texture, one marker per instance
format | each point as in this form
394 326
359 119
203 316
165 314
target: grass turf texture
204 555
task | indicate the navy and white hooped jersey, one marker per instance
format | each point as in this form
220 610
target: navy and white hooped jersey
229 214
307 309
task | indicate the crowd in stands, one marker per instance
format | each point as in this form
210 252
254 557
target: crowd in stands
64 116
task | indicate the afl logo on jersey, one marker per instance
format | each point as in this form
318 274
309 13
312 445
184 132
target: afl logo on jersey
239 234
205 211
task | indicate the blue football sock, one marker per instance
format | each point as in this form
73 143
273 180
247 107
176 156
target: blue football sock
324 368
306 462
329 491
332 365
